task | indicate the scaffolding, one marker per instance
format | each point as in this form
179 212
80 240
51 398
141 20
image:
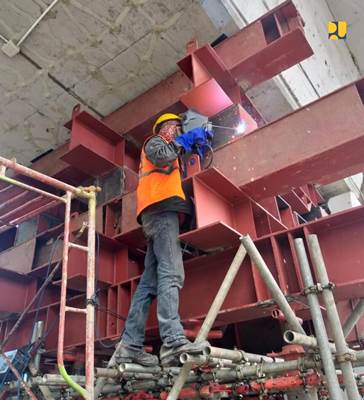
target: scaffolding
70 192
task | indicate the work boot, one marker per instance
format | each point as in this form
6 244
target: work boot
169 356
128 355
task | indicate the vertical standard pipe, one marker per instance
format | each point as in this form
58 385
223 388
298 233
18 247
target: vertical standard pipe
353 318
333 317
318 322
210 317
90 294
62 306
273 287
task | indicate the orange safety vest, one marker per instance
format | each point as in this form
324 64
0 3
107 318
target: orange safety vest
157 184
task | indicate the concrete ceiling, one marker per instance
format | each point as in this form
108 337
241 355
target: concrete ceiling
97 53
104 53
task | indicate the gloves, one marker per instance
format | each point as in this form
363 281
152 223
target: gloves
195 138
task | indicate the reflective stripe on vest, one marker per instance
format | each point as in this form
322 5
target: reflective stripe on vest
157 183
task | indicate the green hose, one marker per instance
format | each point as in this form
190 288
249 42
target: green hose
71 383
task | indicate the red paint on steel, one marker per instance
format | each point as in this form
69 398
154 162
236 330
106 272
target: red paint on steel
321 149
15 293
203 274
246 55
283 383
94 147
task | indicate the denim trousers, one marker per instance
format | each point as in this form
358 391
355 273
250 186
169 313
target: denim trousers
163 278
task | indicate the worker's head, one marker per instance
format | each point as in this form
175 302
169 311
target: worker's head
168 125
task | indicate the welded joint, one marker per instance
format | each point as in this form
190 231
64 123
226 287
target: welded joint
87 192
346 356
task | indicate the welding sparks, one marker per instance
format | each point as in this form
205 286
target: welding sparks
241 128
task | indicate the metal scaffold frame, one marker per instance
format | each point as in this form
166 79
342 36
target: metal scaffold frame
88 193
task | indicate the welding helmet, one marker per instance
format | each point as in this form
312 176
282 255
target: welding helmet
164 118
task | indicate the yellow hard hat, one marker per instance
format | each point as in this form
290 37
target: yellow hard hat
164 118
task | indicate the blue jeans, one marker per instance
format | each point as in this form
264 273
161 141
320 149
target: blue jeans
163 277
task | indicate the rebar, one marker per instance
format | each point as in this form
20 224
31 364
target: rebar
334 319
353 318
318 322
210 317
272 285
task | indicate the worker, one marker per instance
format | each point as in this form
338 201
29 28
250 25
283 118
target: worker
160 203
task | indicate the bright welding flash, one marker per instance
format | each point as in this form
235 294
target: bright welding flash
241 128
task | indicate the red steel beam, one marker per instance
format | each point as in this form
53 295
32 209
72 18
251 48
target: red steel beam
275 42
316 144
248 293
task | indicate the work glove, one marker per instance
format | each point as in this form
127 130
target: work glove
196 138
